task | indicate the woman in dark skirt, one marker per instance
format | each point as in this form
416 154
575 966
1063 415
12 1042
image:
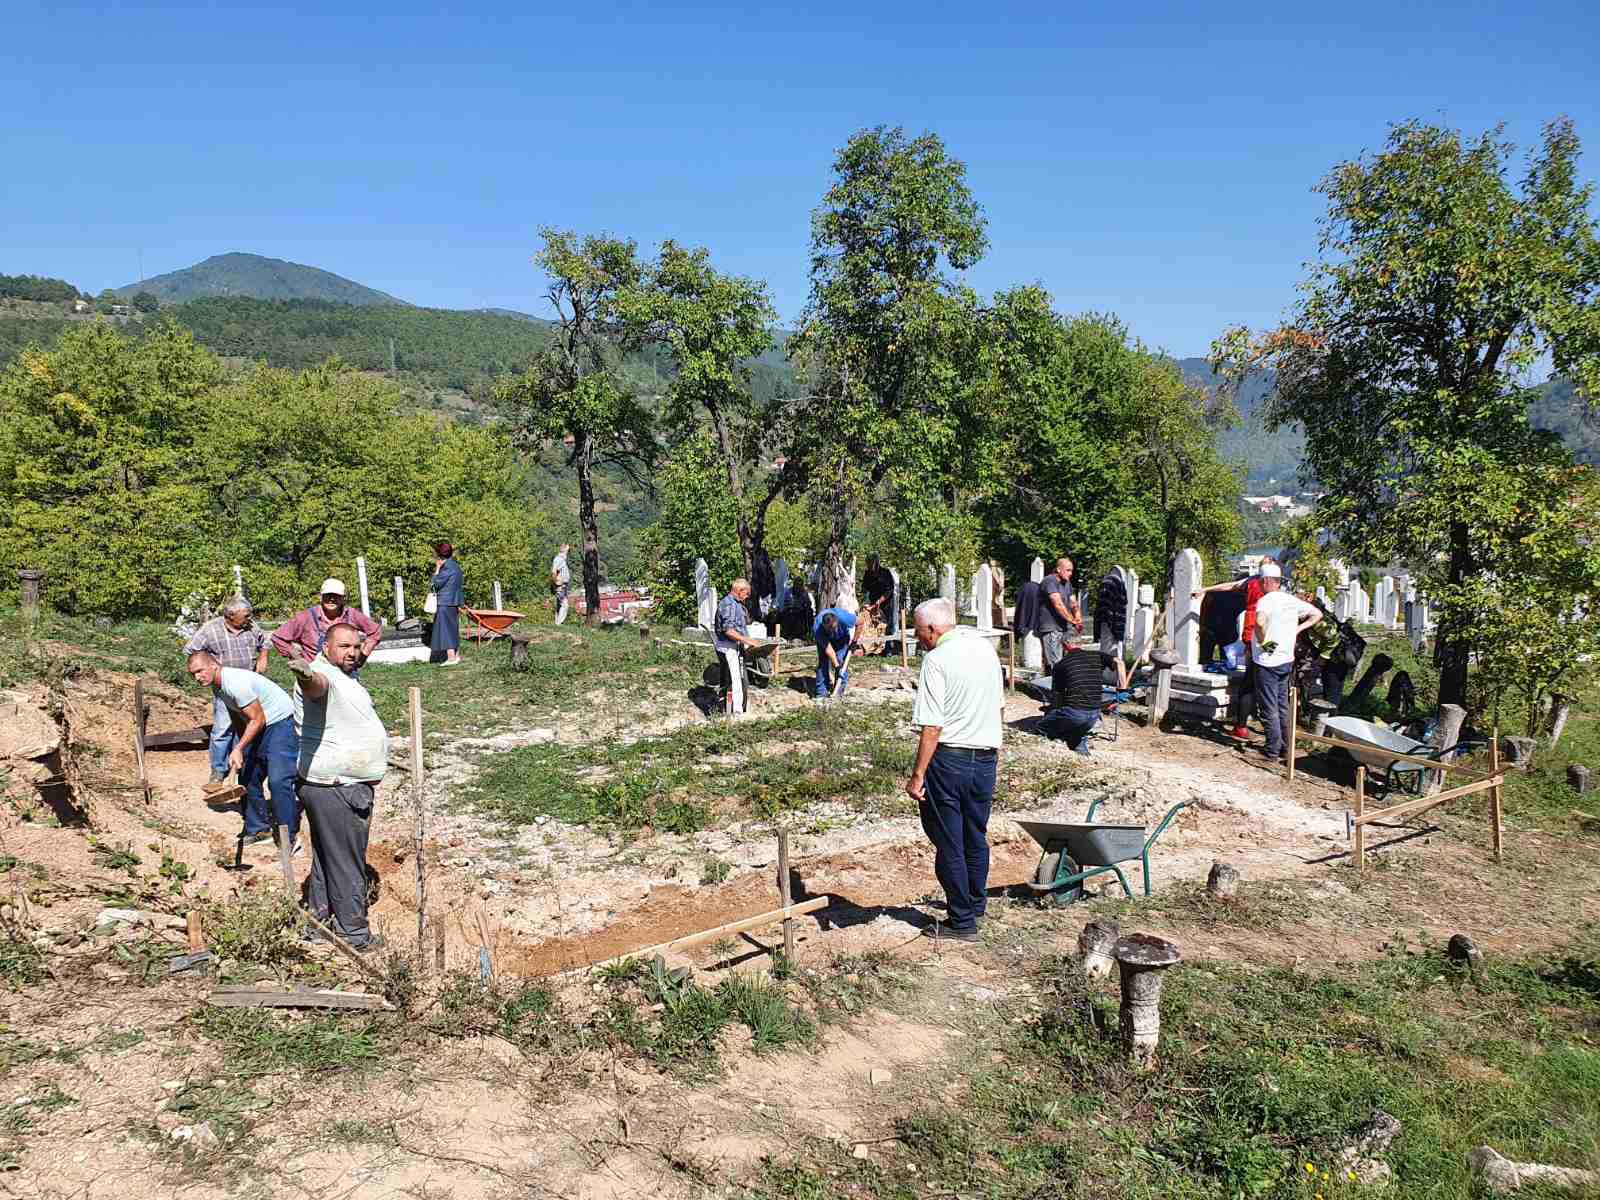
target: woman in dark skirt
446 587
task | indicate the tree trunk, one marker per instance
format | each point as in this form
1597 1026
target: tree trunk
834 565
1450 646
1560 710
1445 734
583 459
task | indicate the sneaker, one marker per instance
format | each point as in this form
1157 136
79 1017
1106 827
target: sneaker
375 941
256 838
219 776
943 929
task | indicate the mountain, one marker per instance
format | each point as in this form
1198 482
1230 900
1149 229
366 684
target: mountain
1269 457
259 278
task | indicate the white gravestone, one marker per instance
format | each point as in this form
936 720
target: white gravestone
1380 600
947 582
1130 590
705 596
1322 594
361 579
1144 618
238 580
1360 603
983 596
780 584
399 599
1188 576
499 601
893 614
1341 603
1417 622
846 599
1032 648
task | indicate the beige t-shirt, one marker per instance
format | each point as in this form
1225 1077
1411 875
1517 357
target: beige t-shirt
961 691
341 738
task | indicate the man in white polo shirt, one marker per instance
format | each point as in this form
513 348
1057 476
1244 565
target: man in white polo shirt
960 705
1280 618
344 751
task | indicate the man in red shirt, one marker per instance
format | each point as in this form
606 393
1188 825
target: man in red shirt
1252 596
308 630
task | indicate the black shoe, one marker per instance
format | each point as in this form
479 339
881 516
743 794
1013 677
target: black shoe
943 929
374 941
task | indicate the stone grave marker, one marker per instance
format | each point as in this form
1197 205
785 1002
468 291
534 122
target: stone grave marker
1187 575
983 596
705 596
947 582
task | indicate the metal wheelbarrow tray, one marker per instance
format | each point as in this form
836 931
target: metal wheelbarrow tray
1074 851
490 623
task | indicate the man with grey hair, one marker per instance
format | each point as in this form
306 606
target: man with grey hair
235 641
733 635
960 706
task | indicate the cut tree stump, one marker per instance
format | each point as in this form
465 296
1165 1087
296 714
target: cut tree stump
519 649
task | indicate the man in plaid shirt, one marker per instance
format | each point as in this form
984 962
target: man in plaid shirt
234 640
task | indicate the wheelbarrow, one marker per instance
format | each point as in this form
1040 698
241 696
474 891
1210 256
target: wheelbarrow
490 623
1074 851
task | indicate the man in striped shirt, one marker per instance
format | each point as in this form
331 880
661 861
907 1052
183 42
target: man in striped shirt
236 641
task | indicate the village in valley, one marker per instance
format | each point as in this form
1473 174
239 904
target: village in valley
797 693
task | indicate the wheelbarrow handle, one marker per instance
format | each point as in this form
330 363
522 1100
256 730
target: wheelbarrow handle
1144 855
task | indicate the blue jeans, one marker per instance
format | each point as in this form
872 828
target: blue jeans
958 793
1073 724
1272 702
222 736
272 758
825 669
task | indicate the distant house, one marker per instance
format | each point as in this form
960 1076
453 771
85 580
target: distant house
121 310
81 305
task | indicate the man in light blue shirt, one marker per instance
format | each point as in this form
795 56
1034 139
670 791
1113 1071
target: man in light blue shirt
834 629
265 746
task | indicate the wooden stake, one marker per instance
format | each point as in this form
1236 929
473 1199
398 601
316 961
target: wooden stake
138 736
286 862
1495 793
1013 656
417 800
905 633
1360 835
1294 721
783 894
196 940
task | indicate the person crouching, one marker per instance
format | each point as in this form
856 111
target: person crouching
1076 685
265 747
344 752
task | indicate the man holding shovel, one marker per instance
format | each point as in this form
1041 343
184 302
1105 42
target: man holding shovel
834 630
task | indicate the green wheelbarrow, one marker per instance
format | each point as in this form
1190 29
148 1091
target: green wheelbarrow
1073 851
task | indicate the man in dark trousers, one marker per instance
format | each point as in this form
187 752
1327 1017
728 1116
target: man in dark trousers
344 752
960 707
1058 612
1076 683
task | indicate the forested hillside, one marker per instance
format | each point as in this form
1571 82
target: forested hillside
254 275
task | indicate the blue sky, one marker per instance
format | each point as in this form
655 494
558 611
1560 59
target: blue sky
1152 160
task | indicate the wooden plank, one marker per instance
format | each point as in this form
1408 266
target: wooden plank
1411 808
244 996
196 938
1323 739
180 739
1496 797
783 894
415 703
708 935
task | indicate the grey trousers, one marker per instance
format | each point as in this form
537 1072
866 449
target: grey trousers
340 819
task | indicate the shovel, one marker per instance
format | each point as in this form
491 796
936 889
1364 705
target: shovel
838 684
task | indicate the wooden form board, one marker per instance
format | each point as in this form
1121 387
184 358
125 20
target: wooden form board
728 930
141 713
250 996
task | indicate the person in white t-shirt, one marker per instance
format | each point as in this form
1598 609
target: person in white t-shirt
1280 618
960 709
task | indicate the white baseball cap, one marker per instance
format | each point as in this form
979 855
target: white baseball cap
332 587
1271 571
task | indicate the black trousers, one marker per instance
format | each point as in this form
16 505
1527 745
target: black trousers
341 818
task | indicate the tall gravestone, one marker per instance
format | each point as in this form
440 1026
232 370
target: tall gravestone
1380 600
1188 576
1341 603
846 599
983 596
238 580
399 599
1032 648
1361 603
1417 622
780 584
705 596
947 582
1130 589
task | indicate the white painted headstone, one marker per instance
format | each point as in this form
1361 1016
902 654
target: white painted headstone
1417 621
1032 647
1130 589
983 596
361 579
1144 622
947 582
1341 603
1036 570
1188 576
894 600
499 603
238 580
780 583
704 595
1322 594
399 599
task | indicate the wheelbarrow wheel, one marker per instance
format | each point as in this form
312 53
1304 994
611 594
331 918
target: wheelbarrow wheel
1049 866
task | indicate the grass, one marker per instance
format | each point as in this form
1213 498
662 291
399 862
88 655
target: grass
1264 1075
256 1042
679 781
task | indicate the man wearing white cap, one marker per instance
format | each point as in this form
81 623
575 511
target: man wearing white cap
308 630
1280 618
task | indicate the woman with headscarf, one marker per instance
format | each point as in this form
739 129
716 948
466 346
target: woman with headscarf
446 588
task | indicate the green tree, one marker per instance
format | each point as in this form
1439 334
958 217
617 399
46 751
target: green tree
145 302
712 325
888 345
575 390
100 444
1439 284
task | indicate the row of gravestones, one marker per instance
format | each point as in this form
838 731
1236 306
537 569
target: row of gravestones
1393 604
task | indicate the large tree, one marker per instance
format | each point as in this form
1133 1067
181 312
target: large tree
1439 285
575 390
887 347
